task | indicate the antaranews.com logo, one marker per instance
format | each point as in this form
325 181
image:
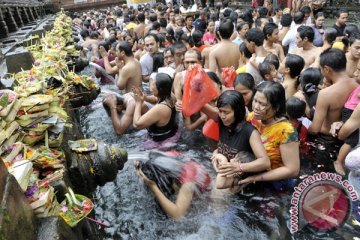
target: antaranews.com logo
321 201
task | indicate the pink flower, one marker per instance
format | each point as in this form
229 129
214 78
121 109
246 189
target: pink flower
64 209
37 63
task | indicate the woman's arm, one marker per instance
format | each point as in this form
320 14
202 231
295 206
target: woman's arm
261 163
193 125
291 160
211 112
183 200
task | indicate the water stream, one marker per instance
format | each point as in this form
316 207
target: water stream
132 213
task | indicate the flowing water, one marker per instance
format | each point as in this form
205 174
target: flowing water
132 213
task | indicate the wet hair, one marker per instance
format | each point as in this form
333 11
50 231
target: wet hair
269 29
295 108
333 58
164 175
273 59
299 17
275 95
263 12
245 79
330 34
196 38
265 68
158 61
226 29
240 26
126 47
295 63
286 20
310 78
255 35
163 84
236 102
156 38
244 50
306 32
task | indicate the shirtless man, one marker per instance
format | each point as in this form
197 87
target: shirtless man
140 28
332 99
226 53
129 77
305 47
178 50
353 55
271 33
192 57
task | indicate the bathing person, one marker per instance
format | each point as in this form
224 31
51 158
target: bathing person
332 99
237 138
291 68
278 135
219 58
129 76
305 47
162 172
309 82
160 120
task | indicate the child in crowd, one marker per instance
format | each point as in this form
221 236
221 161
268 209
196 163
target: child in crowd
267 71
295 111
291 69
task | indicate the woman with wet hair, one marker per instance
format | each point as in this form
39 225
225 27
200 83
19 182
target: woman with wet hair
160 120
278 135
164 174
309 82
238 141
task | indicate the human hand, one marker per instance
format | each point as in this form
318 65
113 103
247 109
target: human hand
178 105
250 179
141 175
229 169
139 95
110 100
119 63
217 159
335 127
103 52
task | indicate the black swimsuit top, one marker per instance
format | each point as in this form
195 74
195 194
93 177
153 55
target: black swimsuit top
161 133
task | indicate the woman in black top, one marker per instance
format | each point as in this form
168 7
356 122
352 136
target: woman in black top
160 120
238 141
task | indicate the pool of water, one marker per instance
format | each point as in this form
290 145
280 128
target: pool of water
132 213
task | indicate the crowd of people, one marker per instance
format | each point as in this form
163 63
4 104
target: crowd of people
295 79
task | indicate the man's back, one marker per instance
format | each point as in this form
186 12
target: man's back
334 98
132 71
225 54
